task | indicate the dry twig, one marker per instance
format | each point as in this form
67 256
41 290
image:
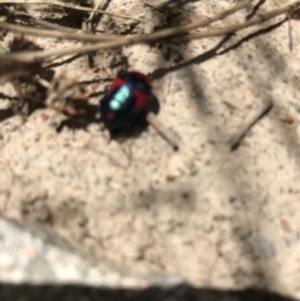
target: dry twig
262 111
162 130
110 41
57 34
165 33
156 36
262 18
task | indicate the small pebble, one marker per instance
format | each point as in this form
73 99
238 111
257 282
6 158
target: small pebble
246 249
288 118
30 160
176 88
297 107
193 169
273 72
181 74
265 245
44 117
286 225
175 167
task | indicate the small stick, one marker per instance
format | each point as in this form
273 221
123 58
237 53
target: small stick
261 112
173 33
35 56
164 33
162 130
28 30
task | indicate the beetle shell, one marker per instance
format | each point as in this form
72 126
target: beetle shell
125 100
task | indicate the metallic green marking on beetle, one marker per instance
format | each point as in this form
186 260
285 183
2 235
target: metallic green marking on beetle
123 94
140 85
120 98
115 105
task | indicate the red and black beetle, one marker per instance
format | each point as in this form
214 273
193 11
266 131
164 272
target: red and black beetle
125 100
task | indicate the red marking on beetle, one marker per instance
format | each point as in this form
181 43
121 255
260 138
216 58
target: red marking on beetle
141 99
110 116
118 82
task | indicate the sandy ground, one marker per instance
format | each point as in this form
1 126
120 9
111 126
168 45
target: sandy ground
218 218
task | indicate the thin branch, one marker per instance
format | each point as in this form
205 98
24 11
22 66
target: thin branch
262 111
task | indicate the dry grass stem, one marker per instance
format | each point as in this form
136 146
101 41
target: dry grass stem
57 34
116 42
